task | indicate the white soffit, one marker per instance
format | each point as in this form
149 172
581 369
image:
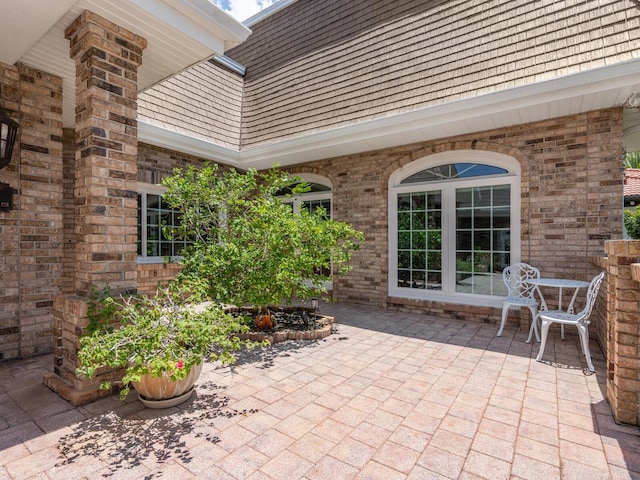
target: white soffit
578 93
24 22
179 34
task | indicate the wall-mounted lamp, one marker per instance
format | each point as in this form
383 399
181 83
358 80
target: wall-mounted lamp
8 130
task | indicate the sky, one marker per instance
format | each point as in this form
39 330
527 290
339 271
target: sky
243 9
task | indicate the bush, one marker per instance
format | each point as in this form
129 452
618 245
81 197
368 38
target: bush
632 223
158 334
250 248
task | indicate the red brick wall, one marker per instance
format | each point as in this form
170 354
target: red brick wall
31 233
621 316
155 163
68 182
571 200
150 275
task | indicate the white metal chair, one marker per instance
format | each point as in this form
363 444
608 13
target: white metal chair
580 320
520 292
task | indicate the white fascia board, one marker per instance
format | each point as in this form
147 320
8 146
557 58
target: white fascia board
198 19
207 14
459 117
149 132
266 12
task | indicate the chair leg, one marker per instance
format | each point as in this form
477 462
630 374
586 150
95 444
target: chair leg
544 330
505 314
584 341
534 324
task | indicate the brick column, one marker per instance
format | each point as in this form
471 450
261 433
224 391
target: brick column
107 58
623 330
104 194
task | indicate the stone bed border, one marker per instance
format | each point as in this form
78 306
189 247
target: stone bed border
283 335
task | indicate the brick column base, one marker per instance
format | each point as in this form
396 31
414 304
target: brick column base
623 319
69 324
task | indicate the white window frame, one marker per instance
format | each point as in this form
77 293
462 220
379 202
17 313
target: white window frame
296 200
448 188
145 189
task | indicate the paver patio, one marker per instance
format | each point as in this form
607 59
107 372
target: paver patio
387 396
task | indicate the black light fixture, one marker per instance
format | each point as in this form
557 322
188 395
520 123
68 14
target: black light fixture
8 130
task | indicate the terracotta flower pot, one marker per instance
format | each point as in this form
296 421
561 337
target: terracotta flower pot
162 392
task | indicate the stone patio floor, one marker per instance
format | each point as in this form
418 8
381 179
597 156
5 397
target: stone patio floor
387 396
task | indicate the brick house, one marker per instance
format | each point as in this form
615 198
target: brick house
458 137
631 188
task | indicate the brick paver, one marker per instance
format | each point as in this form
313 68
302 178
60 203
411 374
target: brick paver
388 395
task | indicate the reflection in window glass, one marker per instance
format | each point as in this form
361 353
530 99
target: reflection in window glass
154 218
420 240
453 230
482 239
453 171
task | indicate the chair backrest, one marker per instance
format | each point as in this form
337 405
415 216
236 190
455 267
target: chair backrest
516 278
592 294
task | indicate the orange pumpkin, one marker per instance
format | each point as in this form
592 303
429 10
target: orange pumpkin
263 321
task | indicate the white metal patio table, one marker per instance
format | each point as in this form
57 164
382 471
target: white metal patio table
560 284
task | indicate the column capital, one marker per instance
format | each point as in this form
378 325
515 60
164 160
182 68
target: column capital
91 31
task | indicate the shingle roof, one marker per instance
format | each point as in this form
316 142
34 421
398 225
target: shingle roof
204 101
631 182
319 65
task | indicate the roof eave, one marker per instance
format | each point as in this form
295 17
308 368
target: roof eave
577 93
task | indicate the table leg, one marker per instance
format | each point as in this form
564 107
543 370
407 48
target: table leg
534 328
543 304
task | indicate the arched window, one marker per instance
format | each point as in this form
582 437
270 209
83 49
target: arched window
318 196
454 224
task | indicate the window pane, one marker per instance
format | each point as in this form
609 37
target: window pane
502 196
158 222
404 240
313 205
501 217
166 249
482 247
434 200
481 218
139 225
453 170
464 197
418 260
418 221
404 261
434 239
419 240
418 201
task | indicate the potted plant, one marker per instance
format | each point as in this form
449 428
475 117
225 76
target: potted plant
159 341
248 247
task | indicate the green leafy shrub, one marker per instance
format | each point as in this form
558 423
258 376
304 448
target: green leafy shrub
632 223
158 334
250 248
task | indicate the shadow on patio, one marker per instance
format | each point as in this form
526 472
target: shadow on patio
388 395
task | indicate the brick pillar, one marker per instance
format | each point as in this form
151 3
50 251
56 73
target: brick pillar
107 58
104 193
623 321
